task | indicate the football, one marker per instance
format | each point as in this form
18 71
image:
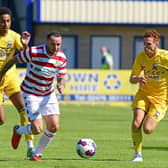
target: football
86 148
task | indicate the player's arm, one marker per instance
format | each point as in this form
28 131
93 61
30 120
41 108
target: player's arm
60 85
61 76
7 66
138 79
137 70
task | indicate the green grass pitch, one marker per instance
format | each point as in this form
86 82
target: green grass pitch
108 126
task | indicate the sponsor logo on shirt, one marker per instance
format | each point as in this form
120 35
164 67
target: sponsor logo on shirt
47 72
9 44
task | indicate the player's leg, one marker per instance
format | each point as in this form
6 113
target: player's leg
138 117
50 112
140 105
35 127
19 105
154 115
149 125
52 123
2 112
33 107
12 90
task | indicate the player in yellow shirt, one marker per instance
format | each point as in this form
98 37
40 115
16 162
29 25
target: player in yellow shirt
149 106
9 42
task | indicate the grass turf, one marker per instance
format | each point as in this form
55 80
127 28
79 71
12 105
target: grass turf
108 126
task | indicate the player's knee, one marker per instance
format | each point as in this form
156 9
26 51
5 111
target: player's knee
37 130
147 130
54 128
57 127
136 125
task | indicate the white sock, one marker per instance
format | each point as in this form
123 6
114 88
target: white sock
46 138
26 129
30 144
139 153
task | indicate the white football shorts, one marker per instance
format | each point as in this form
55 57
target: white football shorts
38 106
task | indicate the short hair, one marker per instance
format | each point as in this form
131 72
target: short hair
152 33
5 10
54 33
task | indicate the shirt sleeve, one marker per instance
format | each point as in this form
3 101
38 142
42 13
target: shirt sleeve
24 56
62 69
137 66
18 42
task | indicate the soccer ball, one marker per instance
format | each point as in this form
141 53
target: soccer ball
86 148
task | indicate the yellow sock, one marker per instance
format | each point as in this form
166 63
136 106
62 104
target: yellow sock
24 121
137 139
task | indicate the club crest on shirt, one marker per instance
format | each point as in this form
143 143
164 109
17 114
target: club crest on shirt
57 63
154 66
9 44
156 115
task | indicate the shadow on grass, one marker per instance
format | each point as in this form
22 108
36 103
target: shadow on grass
157 148
102 160
67 159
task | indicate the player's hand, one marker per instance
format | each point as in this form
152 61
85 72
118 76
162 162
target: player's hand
25 38
60 88
141 79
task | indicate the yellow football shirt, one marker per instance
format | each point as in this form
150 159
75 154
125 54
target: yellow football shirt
8 46
156 71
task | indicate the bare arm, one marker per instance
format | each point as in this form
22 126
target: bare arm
60 85
138 79
7 66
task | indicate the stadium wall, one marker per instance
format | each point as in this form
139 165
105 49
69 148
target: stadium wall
85 32
127 19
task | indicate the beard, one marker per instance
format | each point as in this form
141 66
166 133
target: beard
150 52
